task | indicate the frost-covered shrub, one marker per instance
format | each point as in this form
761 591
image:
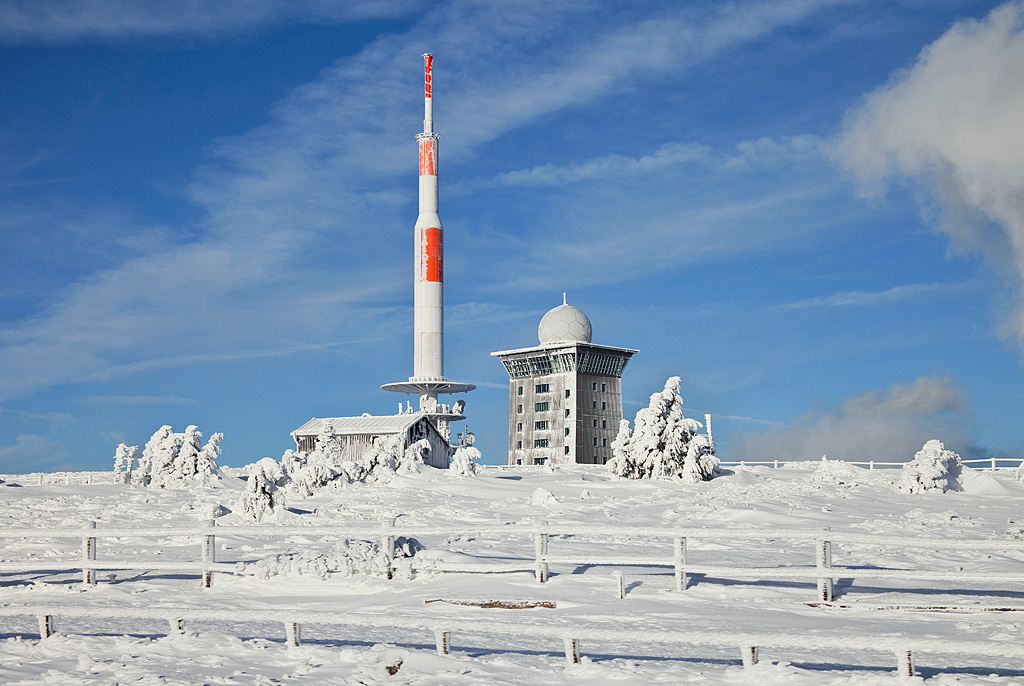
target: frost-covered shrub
328 443
933 469
835 473
463 461
414 456
173 459
313 476
663 442
124 460
348 559
262 495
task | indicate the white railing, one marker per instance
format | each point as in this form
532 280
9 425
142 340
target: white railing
904 649
823 572
987 464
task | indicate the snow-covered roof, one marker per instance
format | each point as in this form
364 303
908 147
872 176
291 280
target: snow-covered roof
563 344
366 424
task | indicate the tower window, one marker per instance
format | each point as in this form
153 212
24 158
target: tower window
567 413
595 423
540 425
543 388
519 426
566 431
604 442
603 388
593 386
540 443
519 445
604 406
604 423
520 409
595 440
541 407
566 450
520 390
567 393
593 404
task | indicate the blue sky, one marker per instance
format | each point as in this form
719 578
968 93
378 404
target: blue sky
811 211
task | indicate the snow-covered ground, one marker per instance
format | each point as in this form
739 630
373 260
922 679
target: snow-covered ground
236 636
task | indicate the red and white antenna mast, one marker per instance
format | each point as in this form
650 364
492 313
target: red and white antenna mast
428 347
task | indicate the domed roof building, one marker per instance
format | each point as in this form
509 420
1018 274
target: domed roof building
565 394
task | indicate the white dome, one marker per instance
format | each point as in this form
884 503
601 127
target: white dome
564 323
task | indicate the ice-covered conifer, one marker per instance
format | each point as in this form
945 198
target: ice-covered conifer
186 464
328 443
262 496
124 461
463 461
933 469
664 443
207 469
621 465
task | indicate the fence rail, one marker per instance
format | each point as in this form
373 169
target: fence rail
901 648
541 533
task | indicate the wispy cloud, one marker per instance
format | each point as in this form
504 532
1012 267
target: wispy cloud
61 20
871 298
31 449
314 203
136 400
749 420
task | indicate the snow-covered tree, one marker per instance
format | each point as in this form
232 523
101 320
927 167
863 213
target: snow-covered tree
207 469
933 469
262 496
124 460
664 443
414 457
328 443
378 464
176 459
620 465
463 463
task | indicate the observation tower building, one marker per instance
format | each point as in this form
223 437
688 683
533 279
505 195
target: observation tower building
565 395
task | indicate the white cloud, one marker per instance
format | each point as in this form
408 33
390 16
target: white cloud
953 124
885 426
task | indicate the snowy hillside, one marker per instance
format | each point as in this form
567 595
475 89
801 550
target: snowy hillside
335 571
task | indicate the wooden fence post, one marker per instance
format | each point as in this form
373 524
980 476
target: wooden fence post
620 584
871 465
40 479
88 553
177 627
293 633
387 544
540 552
67 478
572 651
443 640
45 626
776 465
209 552
823 555
904 663
680 563
749 655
